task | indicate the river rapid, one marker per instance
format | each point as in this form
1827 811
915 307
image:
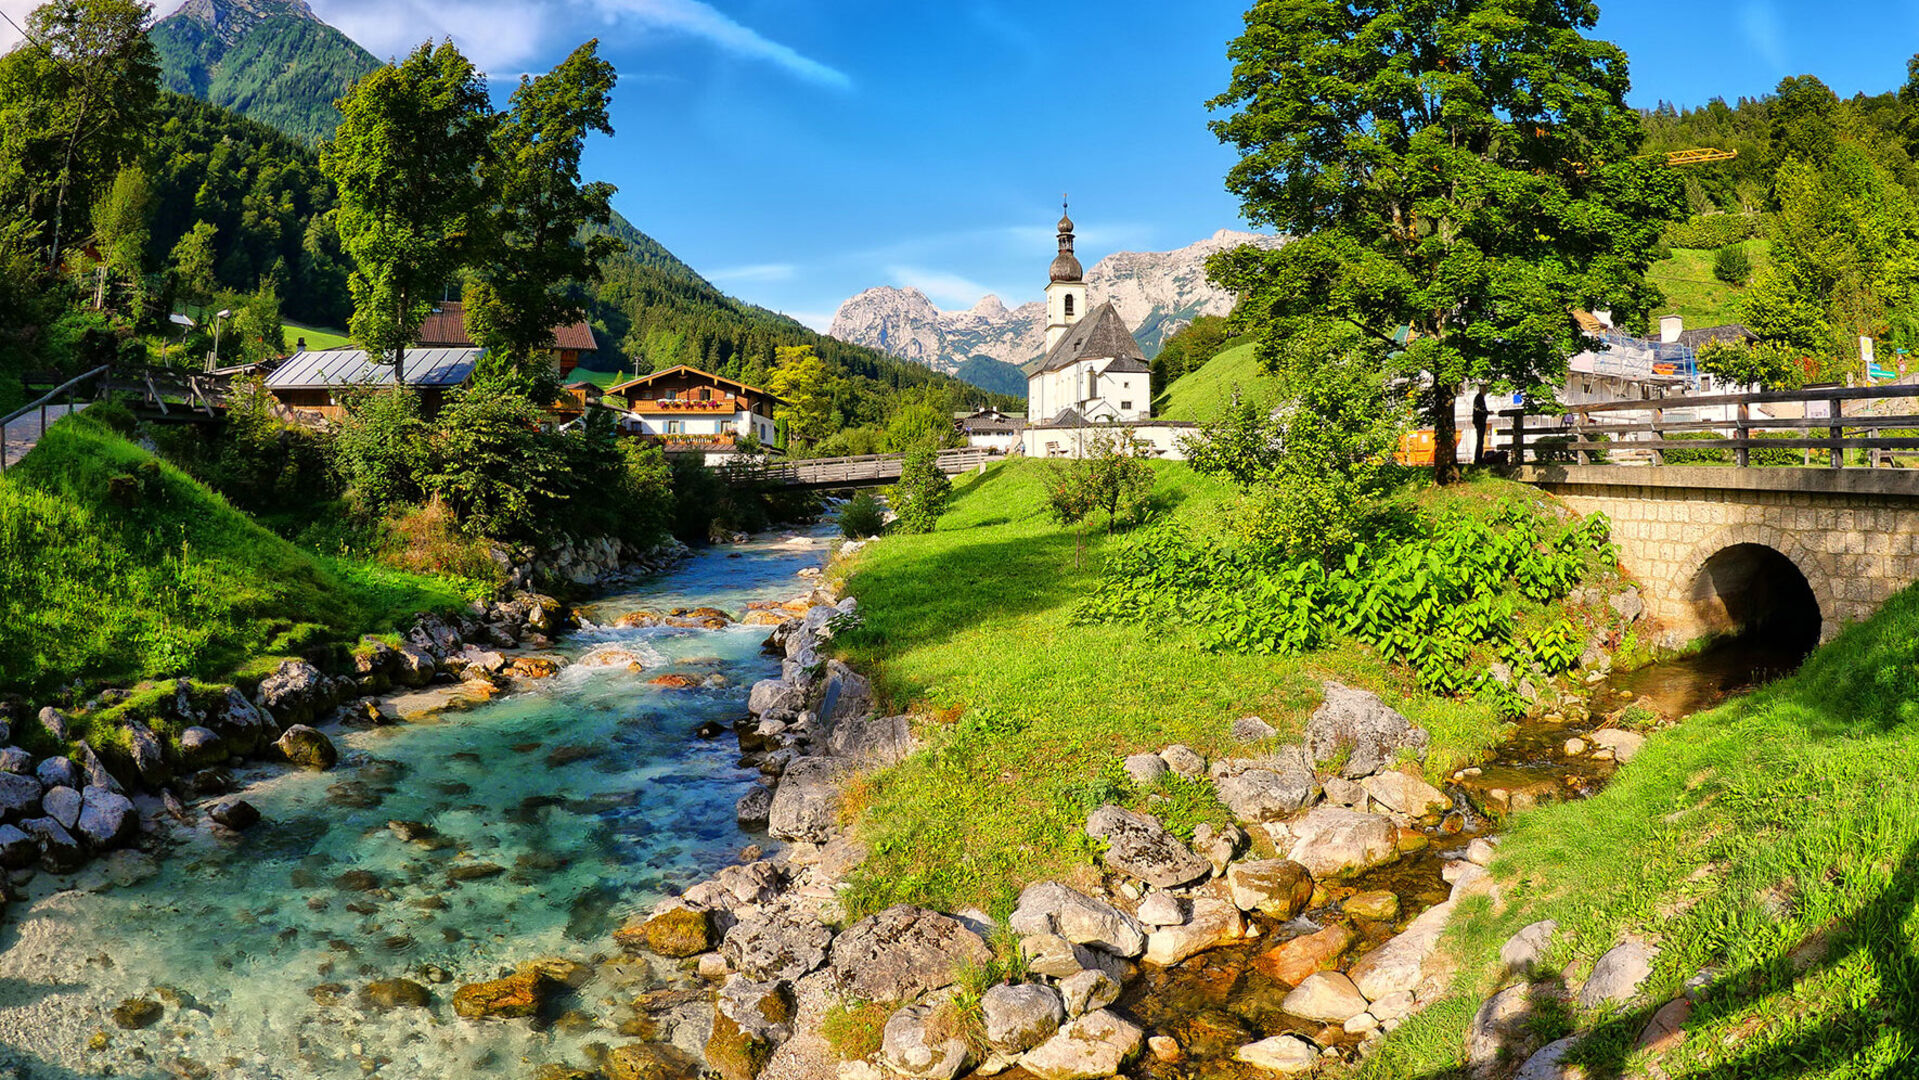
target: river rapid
559 810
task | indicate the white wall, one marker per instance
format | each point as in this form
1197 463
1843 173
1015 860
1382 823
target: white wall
1163 439
1057 321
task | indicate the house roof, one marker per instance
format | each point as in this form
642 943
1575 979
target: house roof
446 329
1100 335
642 381
1732 333
325 368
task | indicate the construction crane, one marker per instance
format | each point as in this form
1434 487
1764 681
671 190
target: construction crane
1700 155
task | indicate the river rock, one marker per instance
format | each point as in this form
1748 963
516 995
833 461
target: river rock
389 994
1050 908
1266 789
414 666
1161 909
1018 1018
1291 962
54 723
1405 794
1362 728
1145 770
733 1053
921 1041
848 695
1095 1045
1213 923
107 818
1276 887
755 807
1088 991
307 748
1526 950
136 1013
1379 905
674 932
17 849
518 995
1550 1063
640 1061
765 946
1138 845
763 1010
13 759
873 743
60 853
1330 842
1327 997
96 774
1616 978
296 692
1625 745
149 759
904 952
62 804
1252 729
806 804
19 796
775 699
1287 1055
236 814
1057 958
58 772
1400 963
1184 761
1218 846
201 747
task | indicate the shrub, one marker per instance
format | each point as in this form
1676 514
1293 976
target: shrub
922 493
380 449
1710 232
862 517
1732 265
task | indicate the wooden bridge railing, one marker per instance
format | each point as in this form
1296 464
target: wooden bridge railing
1610 427
865 469
69 389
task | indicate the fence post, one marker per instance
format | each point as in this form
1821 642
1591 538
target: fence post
1519 437
1743 455
1579 436
1835 433
1658 436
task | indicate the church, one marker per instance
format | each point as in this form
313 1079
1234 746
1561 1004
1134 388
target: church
1093 375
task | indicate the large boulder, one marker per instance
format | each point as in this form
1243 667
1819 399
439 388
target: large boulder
1018 1018
62 804
19 796
1287 1055
1088 991
55 724
1503 1028
1331 842
1057 958
1280 888
94 771
923 1042
1265 789
308 748
1400 964
674 932
201 747
734 1053
1617 976
59 772
1326 997
1361 731
873 743
60 853
1403 794
296 692
107 818
807 802
12 758
1138 845
17 849
1095 1045
848 695
903 952
148 756
763 1010
1049 908
775 699
518 995
1212 923
1527 949
766 946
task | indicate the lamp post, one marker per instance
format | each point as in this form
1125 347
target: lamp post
218 317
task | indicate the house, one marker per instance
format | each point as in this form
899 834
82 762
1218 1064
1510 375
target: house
989 428
687 410
1093 377
311 381
445 328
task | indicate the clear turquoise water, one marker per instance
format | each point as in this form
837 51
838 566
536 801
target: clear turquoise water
245 929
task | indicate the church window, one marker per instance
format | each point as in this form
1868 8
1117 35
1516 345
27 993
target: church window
1069 305
1126 406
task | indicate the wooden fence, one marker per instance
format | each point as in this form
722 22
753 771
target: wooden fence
1642 428
866 470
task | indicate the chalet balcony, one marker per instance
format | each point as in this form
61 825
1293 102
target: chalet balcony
685 407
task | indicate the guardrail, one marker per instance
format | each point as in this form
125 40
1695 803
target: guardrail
865 469
69 388
1584 431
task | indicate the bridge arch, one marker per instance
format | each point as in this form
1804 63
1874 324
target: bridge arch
1753 578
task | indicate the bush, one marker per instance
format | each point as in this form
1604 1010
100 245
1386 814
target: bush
862 517
922 493
1732 265
1710 232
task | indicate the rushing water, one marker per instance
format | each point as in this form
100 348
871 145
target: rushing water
590 792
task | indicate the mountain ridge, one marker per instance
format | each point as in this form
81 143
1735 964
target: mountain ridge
274 61
1156 294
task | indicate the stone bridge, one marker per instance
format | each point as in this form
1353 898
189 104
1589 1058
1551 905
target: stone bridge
1800 552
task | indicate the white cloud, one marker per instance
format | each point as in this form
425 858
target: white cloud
507 34
812 319
944 289
15 10
757 273
1765 32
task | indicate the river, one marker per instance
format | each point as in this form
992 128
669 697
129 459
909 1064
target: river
590 792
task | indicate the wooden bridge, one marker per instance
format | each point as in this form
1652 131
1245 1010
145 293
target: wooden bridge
166 395
867 470
1737 510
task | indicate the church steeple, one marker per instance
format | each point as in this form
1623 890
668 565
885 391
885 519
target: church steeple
1066 291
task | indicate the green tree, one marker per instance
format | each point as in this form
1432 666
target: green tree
540 252
1732 265
257 331
406 160
1457 177
1805 121
1188 349
380 449
1769 365
76 99
120 221
921 420
805 389
922 493
192 264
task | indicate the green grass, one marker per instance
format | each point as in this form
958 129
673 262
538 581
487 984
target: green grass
971 623
1198 395
1774 841
317 337
1691 290
116 566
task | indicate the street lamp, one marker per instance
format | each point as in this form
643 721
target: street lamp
214 356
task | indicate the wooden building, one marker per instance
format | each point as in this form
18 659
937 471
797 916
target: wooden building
446 329
311 382
688 410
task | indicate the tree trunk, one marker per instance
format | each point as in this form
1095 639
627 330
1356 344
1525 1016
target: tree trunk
1445 435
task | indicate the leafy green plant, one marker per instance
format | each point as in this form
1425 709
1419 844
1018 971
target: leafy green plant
1732 265
922 493
862 517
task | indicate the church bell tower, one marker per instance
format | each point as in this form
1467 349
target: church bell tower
1066 292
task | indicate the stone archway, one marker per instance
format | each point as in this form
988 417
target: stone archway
1755 579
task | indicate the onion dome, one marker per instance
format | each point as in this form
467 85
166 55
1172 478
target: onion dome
1066 268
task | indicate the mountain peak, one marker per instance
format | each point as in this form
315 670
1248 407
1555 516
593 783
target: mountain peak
989 305
231 20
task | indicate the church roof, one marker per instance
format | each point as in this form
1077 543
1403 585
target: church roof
1101 335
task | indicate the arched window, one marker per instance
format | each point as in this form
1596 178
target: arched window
1069 305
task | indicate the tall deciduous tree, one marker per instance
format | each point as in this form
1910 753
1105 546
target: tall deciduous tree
1457 177
802 382
540 259
406 160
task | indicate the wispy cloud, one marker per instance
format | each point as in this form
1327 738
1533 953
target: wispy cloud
503 35
761 272
947 290
1765 31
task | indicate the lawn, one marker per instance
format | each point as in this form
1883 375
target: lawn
117 566
316 337
1691 290
972 623
1198 395
1773 842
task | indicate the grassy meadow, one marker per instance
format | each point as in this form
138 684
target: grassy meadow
1198 395
1691 290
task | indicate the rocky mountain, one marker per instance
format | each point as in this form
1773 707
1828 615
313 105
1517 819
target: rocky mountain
1155 292
268 60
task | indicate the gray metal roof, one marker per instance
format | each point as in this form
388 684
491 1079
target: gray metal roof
324 368
1102 334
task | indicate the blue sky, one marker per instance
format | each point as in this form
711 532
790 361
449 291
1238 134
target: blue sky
797 151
